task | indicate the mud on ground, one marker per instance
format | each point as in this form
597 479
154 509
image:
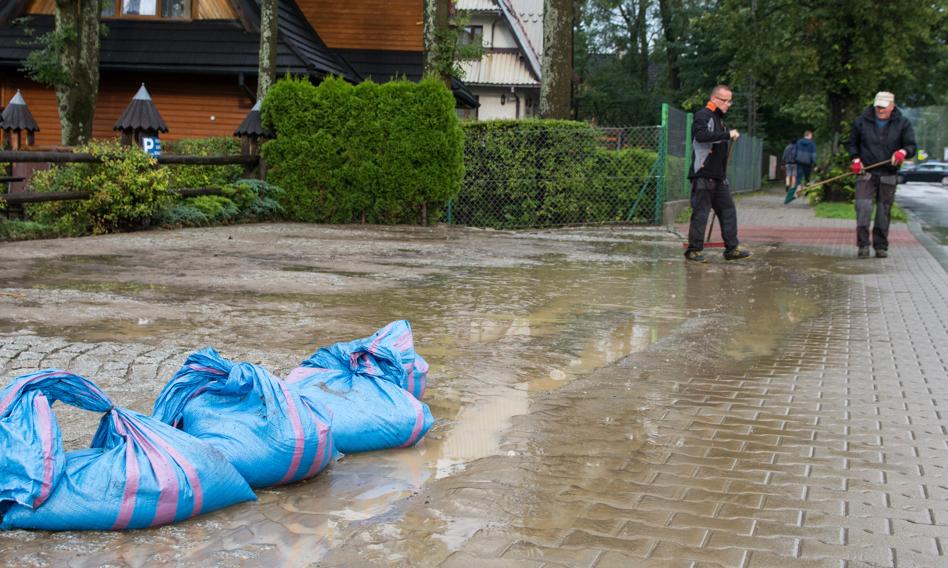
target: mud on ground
556 358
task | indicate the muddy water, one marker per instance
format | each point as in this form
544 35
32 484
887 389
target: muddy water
554 357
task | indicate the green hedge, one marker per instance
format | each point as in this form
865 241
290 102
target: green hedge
531 173
366 153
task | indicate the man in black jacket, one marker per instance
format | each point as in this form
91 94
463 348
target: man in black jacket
879 133
708 174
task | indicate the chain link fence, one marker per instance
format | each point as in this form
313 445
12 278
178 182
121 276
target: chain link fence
540 174
535 173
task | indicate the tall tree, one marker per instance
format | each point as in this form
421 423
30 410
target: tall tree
835 54
266 66
672 18
556 67
69 62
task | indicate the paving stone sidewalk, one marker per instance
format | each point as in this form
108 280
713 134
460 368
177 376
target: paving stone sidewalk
834 453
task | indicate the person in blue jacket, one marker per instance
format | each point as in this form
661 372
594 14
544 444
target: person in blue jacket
708 175
805 156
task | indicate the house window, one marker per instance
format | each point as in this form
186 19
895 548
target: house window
172 9
472 35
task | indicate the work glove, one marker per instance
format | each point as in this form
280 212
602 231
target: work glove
856 166
898 157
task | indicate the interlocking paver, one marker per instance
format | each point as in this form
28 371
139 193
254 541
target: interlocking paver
825 445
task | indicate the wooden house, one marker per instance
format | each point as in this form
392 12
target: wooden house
198 58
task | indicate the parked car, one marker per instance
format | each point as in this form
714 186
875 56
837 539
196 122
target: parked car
925 171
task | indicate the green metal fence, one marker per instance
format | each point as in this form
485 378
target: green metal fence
543 174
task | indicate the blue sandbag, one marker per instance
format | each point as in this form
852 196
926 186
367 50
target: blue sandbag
137 472
368 413
363 383
388 354
266 431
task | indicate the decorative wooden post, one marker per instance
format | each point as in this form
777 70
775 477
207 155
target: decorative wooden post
141 123
252 135
17 119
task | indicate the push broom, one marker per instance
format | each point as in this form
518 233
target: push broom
806 188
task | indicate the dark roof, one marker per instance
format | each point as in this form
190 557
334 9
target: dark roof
9 9
384 66
252 126
141 114
17 116
225 47
198 46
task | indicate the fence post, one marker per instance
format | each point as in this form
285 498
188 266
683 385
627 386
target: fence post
685 182
660 186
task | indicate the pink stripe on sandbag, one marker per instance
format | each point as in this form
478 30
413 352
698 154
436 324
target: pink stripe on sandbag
19 389
419 422
132 475
324 439
167 480
404 342
46 431
205 369
300 373
189 471
298 433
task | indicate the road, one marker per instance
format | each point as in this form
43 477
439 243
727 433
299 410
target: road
928 203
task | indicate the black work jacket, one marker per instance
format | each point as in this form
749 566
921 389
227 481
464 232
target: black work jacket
710 139
871 144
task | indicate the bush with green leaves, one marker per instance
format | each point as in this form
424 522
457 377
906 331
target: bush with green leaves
387 153
243 200
843 189
531 173
188 176
126 190
17 230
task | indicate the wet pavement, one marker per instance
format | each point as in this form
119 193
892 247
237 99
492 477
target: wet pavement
599 401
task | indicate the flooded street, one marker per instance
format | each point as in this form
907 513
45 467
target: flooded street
577 422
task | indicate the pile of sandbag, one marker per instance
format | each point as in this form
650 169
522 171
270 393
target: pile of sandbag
218 429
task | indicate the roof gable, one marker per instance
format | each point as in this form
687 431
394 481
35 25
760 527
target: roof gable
196 46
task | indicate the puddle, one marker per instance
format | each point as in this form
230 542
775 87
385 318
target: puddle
502 339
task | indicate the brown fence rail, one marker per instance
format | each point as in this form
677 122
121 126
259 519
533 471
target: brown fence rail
169 159
37 197
18 198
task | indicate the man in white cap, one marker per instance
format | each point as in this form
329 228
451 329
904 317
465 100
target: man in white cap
879 134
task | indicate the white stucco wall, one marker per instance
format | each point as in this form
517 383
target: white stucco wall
502 36
492 109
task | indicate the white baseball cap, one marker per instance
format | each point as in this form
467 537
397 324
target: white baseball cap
884 99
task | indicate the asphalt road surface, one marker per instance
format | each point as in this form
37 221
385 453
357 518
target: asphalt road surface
928 203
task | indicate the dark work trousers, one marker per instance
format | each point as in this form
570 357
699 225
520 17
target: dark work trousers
708 194
881 190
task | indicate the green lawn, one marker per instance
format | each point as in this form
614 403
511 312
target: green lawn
842 210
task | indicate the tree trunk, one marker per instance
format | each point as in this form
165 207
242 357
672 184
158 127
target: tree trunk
80 60
671 43
266 70
842 107
556 69
438 55
642 23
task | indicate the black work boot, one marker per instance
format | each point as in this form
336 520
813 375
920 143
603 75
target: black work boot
882 253
736 253
695 256
863 252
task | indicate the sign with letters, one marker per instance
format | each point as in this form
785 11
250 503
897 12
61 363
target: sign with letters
151 145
